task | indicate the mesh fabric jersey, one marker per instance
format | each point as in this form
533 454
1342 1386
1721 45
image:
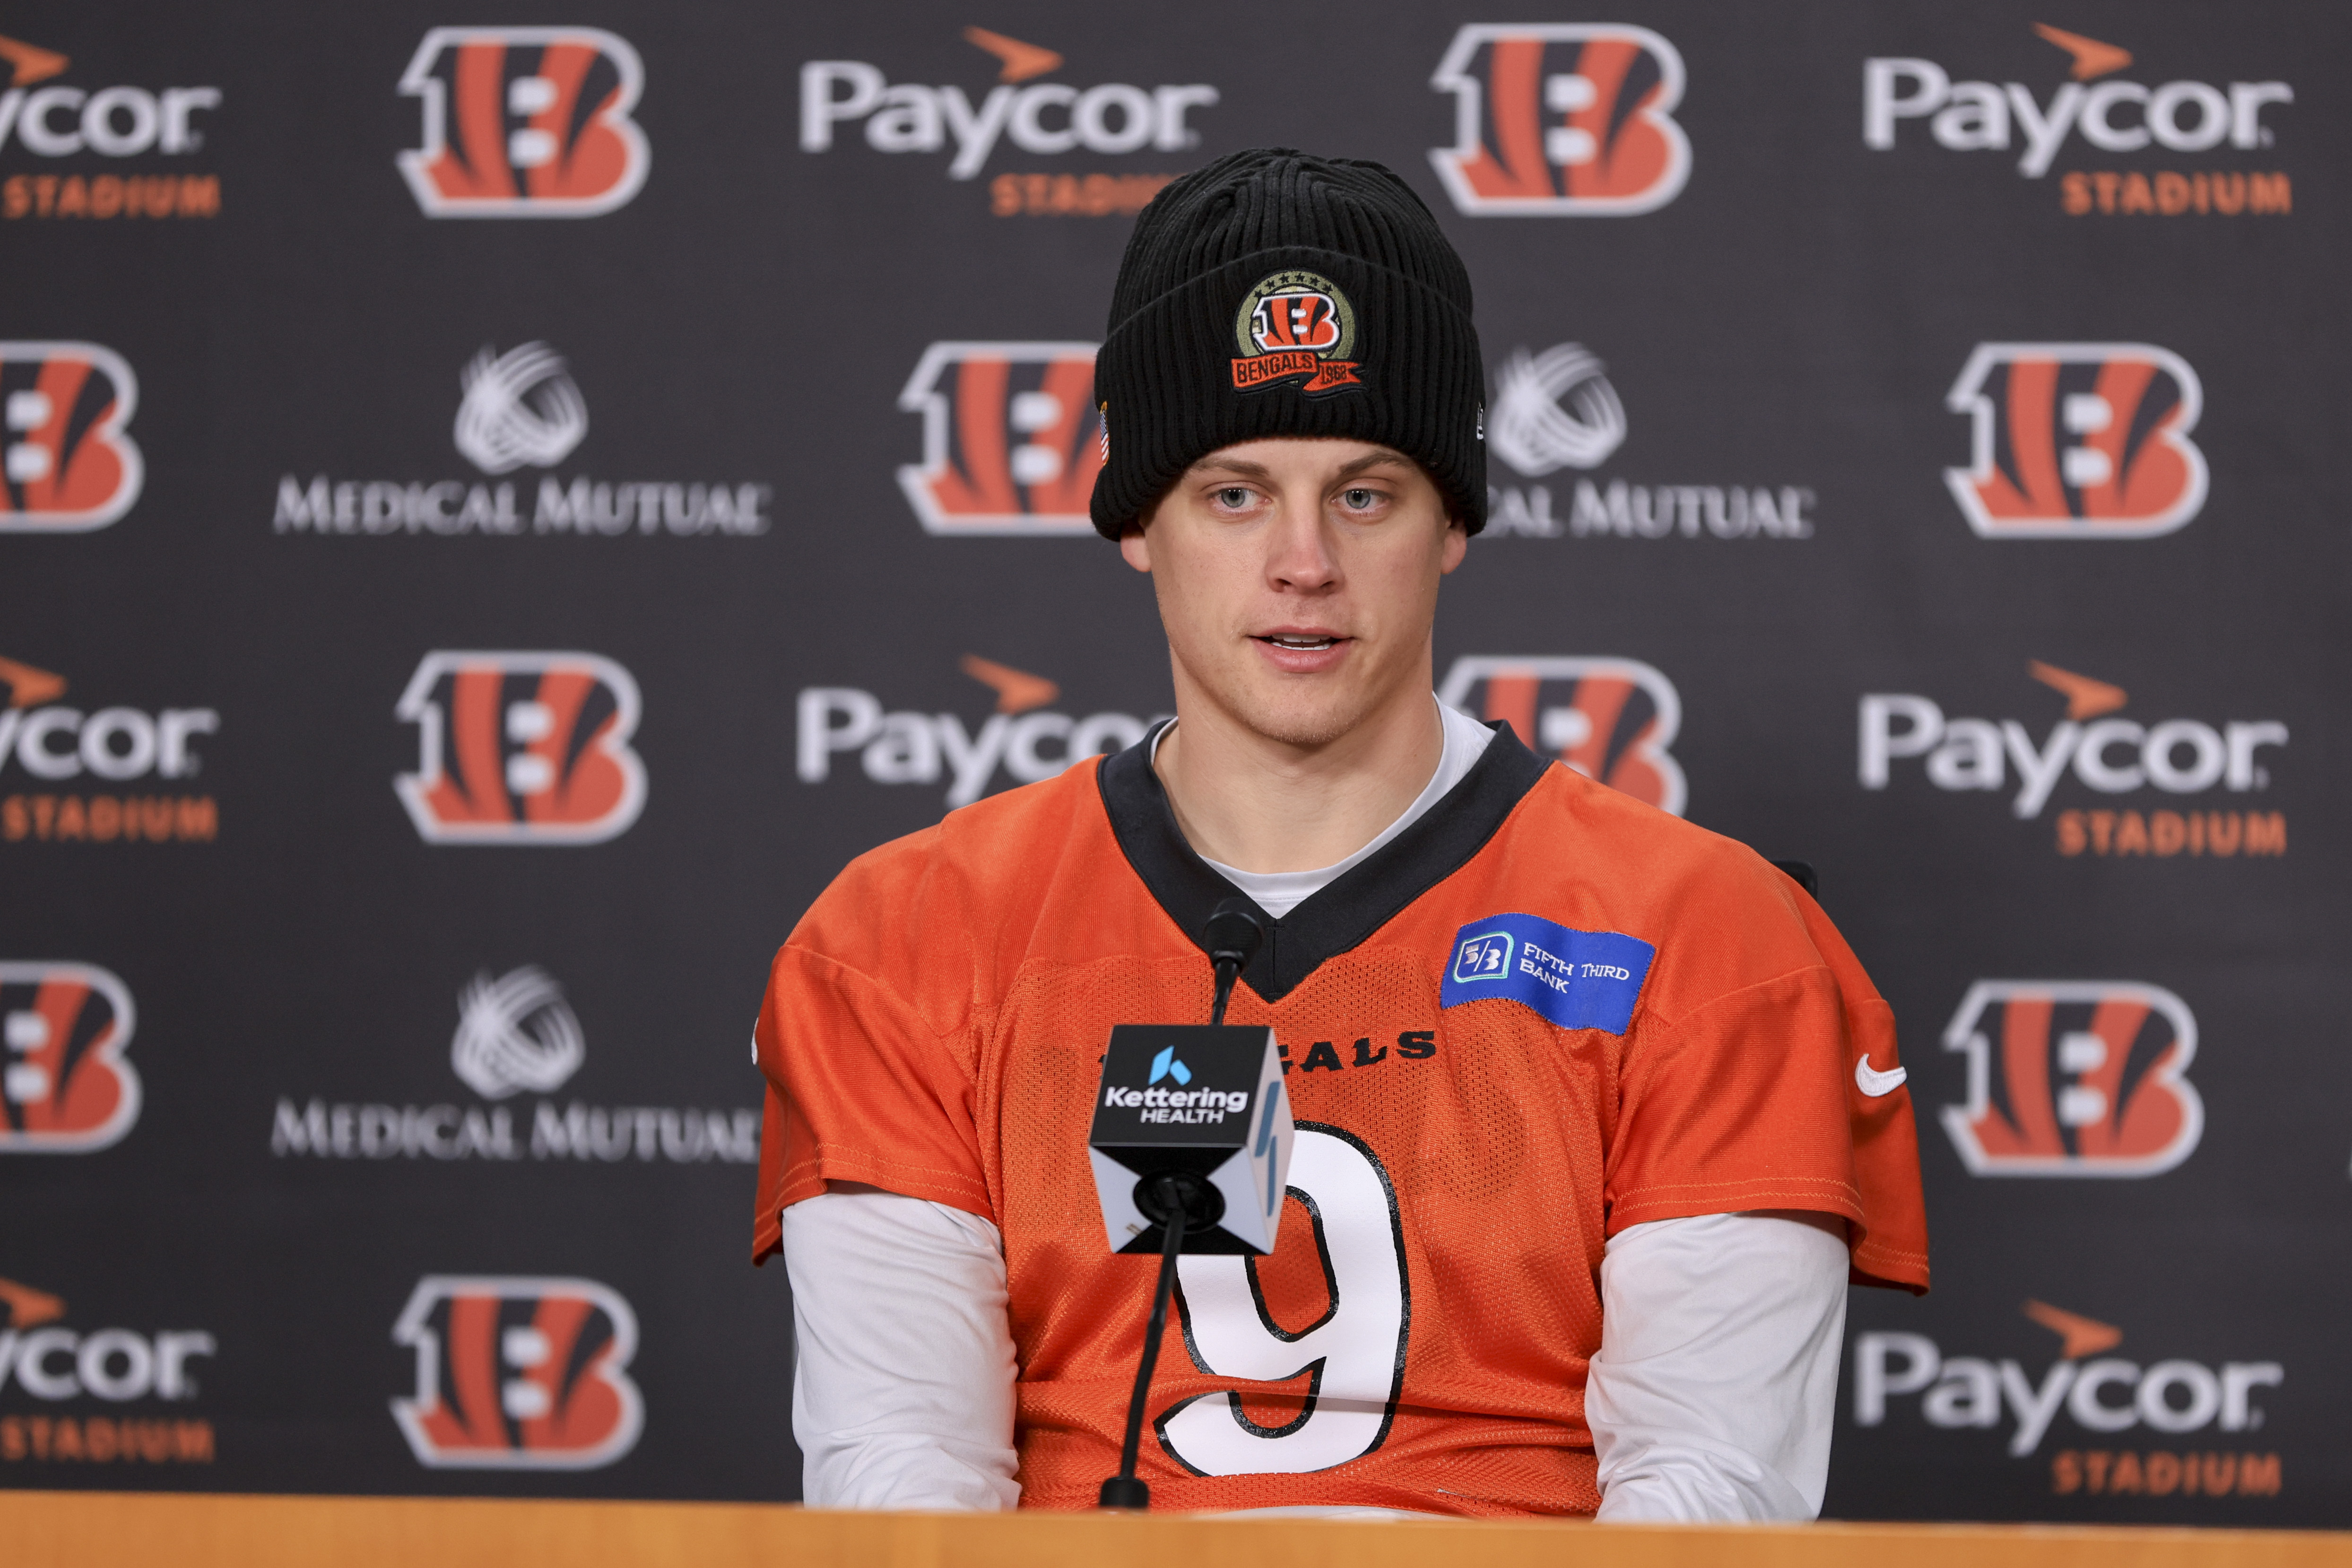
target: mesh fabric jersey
1420 1337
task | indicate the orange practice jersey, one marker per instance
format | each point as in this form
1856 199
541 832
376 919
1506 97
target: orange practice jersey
1419 1338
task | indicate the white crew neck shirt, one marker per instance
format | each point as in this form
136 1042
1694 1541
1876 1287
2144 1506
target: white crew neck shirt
1280 892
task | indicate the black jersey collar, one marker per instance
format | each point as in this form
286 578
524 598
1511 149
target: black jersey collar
1352 907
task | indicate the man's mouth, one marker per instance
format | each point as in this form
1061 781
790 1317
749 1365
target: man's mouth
1302 641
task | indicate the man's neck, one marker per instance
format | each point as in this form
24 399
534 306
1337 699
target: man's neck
1263 805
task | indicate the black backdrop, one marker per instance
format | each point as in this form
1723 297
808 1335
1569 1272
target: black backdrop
369 1144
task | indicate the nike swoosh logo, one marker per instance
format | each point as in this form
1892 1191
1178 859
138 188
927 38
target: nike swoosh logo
1873 1082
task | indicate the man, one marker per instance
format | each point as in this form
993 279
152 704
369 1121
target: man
1597 1113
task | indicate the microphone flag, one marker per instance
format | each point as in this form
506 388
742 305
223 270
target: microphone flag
1198 1100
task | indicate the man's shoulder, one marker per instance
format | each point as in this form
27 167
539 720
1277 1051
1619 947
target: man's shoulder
1627 844
1719 914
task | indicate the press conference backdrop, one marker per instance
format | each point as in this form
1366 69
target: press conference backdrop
496 515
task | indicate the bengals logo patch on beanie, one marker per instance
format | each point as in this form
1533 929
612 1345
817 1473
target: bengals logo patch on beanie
1295 326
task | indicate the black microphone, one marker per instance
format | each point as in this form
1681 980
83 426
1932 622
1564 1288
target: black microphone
1190 1150
1235 932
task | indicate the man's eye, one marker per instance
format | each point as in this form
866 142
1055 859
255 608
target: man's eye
1359 500
1234 499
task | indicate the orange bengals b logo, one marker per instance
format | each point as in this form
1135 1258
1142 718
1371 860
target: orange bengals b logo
2075 1078
518 1374
1012 439
2078 441
525 122
66 464
1303 319
64 1085
1610 719
1564 120
521 748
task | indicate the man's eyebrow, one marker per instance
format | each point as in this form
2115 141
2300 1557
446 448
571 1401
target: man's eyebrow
1230 466
1382 458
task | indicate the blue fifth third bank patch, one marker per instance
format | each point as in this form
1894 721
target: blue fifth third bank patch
1577 979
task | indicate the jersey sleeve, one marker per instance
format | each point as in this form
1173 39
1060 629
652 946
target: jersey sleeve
1890 1245
868 1059
1739 1087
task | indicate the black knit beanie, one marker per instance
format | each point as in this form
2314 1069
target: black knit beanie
1275 293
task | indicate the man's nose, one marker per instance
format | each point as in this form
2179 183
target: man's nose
1299 548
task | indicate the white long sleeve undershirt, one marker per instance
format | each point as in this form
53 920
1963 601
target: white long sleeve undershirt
1710 1399
903 1367
1716 1386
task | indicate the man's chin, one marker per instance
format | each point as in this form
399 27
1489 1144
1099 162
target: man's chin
1308 725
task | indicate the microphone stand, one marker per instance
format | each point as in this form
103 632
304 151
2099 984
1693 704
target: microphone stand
1123 1490
1233 933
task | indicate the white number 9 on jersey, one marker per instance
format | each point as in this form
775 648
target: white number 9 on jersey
1354 1352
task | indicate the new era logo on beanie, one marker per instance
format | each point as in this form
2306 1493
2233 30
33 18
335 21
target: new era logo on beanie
1278 294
